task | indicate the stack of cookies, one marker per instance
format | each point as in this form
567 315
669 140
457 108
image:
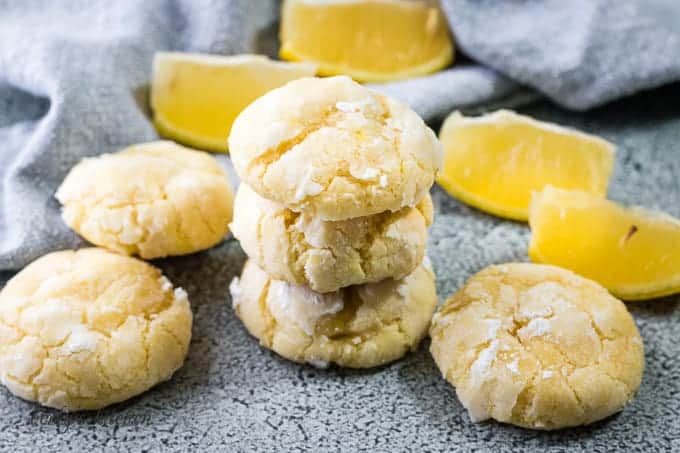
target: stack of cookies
333 211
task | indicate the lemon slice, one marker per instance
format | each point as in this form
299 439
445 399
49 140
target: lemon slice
494 162
633 252
369 40
196 97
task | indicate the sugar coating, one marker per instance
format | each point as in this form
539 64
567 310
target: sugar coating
513 366
359 327
537 327
83 330
304 306
537 346
331 147
153 200
326 255
235 291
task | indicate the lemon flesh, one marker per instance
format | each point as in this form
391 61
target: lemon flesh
370 40
494 162
633 252
196 97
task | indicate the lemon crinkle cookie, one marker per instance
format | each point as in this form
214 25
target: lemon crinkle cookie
359 326
537 346
153 200
334 149
85 329
327 255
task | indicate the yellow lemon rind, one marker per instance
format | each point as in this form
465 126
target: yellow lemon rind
480 203
168 128
187 138
503 116
630 292
326 68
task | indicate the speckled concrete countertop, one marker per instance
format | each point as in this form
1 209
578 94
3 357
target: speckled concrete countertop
232 395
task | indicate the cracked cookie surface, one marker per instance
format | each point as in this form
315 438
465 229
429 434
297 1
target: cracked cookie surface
359 326
327 255
537 346
153 200
86 329
334 149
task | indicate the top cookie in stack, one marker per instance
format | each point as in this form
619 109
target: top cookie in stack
333 212
334 149
338 180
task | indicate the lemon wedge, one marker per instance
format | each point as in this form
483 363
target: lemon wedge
494 162
369 40
196 97
633 252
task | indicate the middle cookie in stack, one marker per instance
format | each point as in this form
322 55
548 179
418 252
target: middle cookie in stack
333 212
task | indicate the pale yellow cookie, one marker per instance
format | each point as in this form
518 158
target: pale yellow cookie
359 327
327 255
334 149
537 346
82 330
153 200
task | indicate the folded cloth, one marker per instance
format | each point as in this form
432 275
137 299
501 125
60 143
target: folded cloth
73 76
579 53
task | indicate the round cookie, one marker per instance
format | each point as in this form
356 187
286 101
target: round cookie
537 346
335 149
153 200
327 255
82 330
359 326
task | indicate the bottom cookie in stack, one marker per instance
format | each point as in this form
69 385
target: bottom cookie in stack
358 326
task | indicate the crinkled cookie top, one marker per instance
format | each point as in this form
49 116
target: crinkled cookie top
335 149
153 200
537 346
82 330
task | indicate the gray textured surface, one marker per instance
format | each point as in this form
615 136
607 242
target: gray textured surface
71 74
232 395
